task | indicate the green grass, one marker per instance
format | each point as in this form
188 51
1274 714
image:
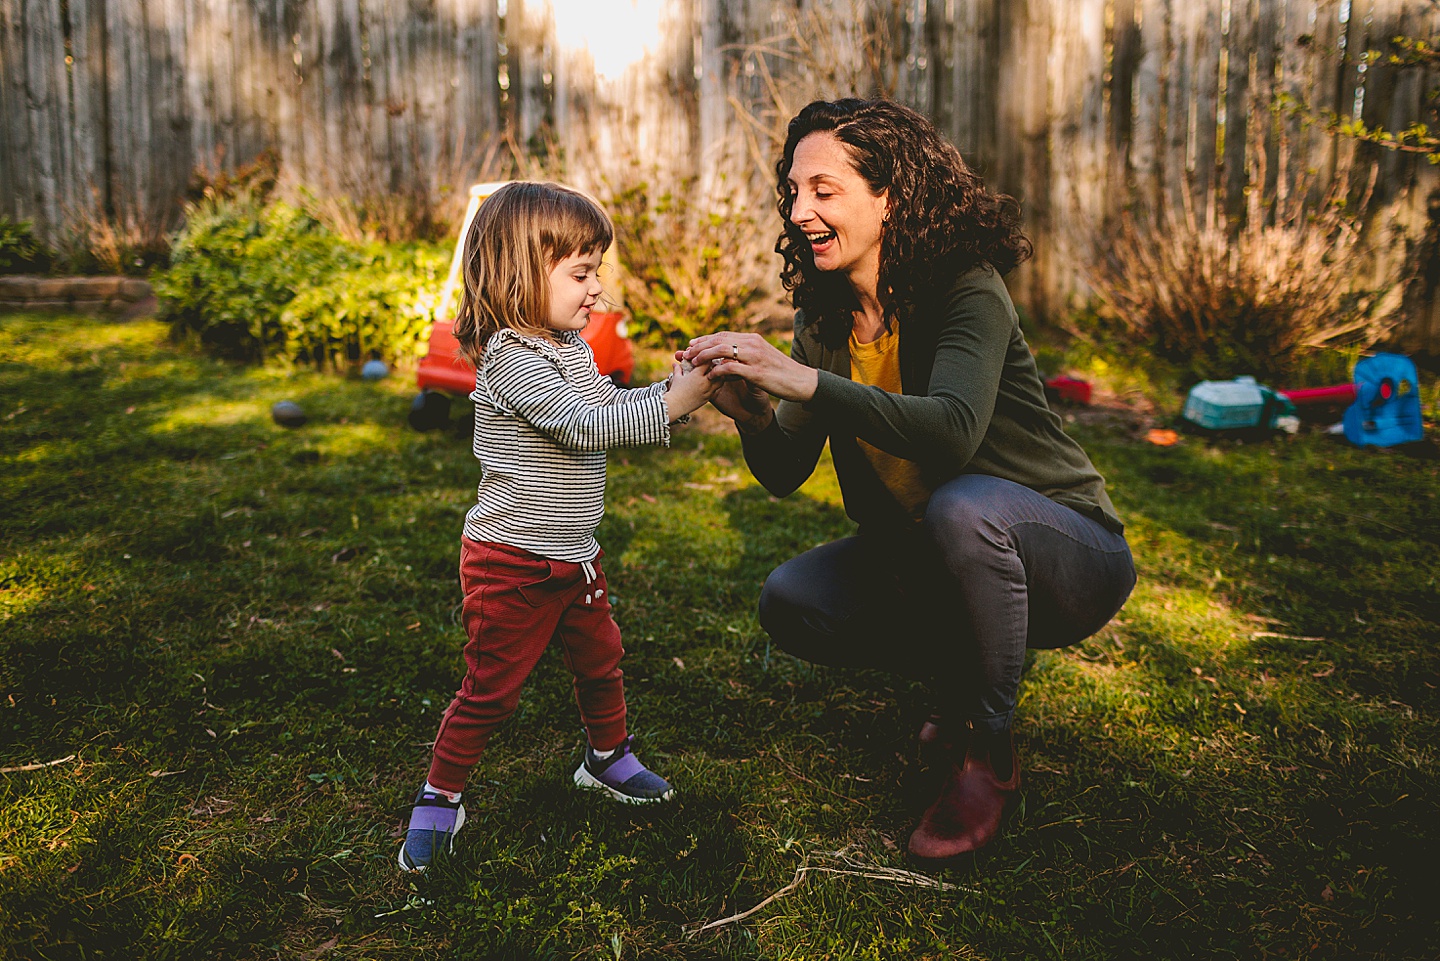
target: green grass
1242 765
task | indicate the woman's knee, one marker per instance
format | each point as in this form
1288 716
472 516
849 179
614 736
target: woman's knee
796 618
782 601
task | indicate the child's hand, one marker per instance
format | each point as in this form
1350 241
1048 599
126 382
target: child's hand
688 389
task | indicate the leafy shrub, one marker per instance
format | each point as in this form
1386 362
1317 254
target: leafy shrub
257 280
20 251
687 269
380 308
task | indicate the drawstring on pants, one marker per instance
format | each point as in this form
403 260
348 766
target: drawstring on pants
590 578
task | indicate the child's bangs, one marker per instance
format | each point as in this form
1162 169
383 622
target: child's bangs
576 225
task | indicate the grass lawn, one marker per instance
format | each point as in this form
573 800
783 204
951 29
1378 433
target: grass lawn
242 638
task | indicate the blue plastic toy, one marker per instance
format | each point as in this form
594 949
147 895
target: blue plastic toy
1386 411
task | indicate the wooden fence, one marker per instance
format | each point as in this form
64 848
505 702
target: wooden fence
1078 107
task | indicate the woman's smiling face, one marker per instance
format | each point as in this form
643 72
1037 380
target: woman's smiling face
842 218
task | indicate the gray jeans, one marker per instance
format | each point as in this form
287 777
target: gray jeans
993 569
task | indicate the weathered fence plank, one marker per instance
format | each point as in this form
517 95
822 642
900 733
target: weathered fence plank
1077 137
1263 92
13 189
972 96
713 34
1240 38
165 21
255 73
432 48
401 107
224 42
85 138
1203 22
1180 85
372 114
477 107
1120 114
526 23
44 80
1147 126
1391 96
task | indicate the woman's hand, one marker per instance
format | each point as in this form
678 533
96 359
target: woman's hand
744 403
748 406
751 358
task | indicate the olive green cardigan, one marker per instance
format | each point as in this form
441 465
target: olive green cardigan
972 402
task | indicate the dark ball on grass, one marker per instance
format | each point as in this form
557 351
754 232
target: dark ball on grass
287 413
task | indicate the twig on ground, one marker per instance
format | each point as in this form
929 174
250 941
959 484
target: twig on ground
37 765
711 925
849 866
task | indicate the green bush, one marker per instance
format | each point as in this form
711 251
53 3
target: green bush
20 251
255 280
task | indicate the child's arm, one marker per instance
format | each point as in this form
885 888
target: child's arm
523 381
612 393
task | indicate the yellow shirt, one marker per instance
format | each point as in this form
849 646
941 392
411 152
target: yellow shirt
878 365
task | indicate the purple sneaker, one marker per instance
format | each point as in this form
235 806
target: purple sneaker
434 821
622 776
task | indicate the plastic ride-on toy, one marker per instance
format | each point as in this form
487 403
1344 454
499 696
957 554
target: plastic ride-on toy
444 372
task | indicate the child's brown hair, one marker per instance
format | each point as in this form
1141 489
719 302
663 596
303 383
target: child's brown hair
519 233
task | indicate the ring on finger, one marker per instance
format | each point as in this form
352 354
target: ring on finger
734 351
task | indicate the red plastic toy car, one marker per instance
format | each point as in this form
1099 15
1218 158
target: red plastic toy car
444 372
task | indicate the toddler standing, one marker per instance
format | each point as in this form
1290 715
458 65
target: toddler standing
529 562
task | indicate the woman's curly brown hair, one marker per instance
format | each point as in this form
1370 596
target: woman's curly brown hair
943 220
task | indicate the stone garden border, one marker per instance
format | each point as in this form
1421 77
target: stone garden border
85 295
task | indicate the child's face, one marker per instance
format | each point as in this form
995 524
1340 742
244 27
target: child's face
574 288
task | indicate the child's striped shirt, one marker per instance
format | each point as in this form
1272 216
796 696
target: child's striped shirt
544 417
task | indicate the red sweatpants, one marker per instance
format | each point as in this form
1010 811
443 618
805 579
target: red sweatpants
515 603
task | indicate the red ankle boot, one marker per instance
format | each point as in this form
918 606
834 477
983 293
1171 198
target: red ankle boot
967 814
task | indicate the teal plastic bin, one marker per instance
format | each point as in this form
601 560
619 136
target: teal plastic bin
1234 405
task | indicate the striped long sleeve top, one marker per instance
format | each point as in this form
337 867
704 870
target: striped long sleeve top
544 417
